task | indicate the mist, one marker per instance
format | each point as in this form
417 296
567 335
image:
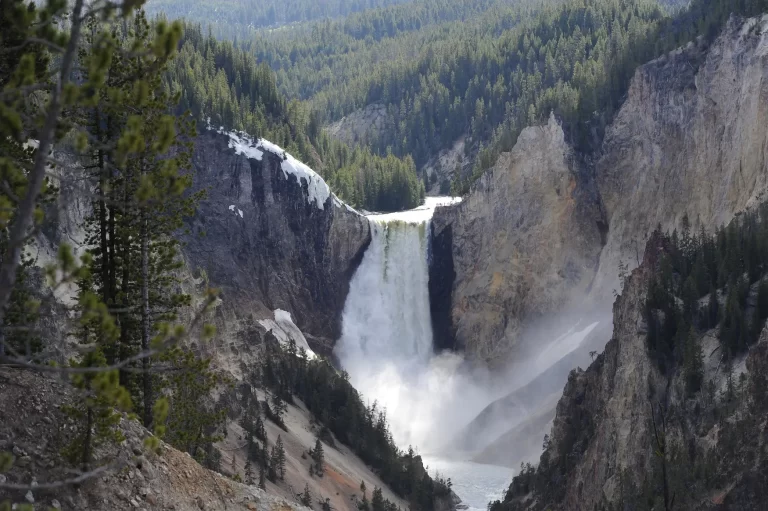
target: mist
429 403
439 403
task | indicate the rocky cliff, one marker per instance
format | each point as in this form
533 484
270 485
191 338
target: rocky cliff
545 225
363 127
627 434
523 242
272 239
689 141
281 248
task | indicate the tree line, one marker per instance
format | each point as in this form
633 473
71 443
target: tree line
481 68
257 13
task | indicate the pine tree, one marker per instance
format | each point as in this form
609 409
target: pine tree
278 409
264 458
262 481
272 465
693 363
192 424
377 500
306 497
248 471
259 429
95 413
318 456
713 308
280 457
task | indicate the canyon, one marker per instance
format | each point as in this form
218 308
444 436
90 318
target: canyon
466 318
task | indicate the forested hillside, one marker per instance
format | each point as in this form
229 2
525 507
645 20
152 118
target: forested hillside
261 13
226 87
108 149
482 68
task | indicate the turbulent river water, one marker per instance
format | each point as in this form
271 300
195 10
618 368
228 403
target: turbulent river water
386 347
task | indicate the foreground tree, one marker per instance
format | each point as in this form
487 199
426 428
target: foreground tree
85 76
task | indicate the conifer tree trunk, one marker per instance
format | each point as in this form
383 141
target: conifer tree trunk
123 350
145 320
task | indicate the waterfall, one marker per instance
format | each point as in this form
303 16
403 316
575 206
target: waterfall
386 315
386 341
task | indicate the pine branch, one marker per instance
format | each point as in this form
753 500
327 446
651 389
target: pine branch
25 215
171 341
65 482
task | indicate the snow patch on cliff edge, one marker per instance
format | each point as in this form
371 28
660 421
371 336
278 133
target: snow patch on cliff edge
317 189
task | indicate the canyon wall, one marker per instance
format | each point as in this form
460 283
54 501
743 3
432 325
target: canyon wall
268 242
545 226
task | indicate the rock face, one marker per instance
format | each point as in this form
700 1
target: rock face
689 140
364 126
258 238
616 385
526 239
603 451
542 227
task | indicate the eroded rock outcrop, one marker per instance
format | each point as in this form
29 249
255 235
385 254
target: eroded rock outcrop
363 127
626 433
524 241
690 140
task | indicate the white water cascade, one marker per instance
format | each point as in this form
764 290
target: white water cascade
386 342
386 347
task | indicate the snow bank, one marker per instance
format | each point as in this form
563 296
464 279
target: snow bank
285 329
317 189
238 212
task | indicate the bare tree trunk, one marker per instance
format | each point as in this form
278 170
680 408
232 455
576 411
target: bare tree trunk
23 219
125 244
145 318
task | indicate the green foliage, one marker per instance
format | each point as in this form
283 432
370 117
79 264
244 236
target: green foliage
332 399
95 413
276 464
15 158
192 423
693 363
223 15
482 68
306 497
222 85
730 263
318 456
